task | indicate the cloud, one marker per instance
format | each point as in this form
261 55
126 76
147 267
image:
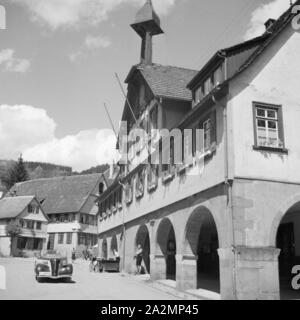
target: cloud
91 43
95 42
71 13
22 127
30 131
259 16
12 64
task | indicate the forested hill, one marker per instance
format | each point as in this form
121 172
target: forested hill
37 170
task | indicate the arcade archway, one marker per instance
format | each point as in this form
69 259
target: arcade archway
288 241
143 239
202 241
166 241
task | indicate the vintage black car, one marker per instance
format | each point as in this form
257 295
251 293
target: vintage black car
53 266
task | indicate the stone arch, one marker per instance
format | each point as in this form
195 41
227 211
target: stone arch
285 236
166 246
286 206
201 241
143 239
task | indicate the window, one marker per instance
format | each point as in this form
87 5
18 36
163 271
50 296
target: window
29 224
21 244
152 177
207 86
129 191
207 133
37 209
37 244
198 95
61 238
139 185
69 238
167 167
38 225
30 208
153 119
120 197
81 239
268 126
218 76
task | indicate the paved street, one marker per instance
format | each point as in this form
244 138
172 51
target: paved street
21 284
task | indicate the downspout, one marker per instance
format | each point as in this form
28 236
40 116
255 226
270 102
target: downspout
124 233
228 182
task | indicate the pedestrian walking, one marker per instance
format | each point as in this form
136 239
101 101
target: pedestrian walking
73 255
139 258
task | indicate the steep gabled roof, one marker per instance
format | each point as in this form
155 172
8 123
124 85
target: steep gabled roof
166 81
279 25
59 195
13 206
227 52
259 43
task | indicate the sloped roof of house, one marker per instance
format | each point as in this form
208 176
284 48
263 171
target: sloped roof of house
61 194
166 81
278 26
11 207
259 43
227 52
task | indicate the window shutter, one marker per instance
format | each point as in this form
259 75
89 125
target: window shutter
213 132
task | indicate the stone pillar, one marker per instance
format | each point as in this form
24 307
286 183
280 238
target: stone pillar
158 267
227 283
257 276
186 272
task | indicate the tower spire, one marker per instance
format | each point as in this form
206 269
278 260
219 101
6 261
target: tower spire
147 25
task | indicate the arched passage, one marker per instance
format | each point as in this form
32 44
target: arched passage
288 241
143 239
113 246
104 249
202 241
166 242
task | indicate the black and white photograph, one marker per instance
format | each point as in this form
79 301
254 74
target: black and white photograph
149 151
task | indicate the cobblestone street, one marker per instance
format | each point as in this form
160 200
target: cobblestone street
21 284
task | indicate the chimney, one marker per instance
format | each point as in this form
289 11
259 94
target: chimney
269 23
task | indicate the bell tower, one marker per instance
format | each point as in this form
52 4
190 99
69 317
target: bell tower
147 25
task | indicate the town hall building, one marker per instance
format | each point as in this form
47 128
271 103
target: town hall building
226 219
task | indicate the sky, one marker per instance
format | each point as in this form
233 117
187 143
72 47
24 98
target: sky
58 59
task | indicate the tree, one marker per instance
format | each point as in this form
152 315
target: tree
17 172
13 230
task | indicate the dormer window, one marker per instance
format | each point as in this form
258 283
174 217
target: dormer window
198 95
101 187
218 77
207 86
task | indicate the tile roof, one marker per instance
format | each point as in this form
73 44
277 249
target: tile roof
167 81
11 207
59 195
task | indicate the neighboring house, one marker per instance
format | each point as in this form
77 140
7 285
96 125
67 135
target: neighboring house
23 226
233 226
69 203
